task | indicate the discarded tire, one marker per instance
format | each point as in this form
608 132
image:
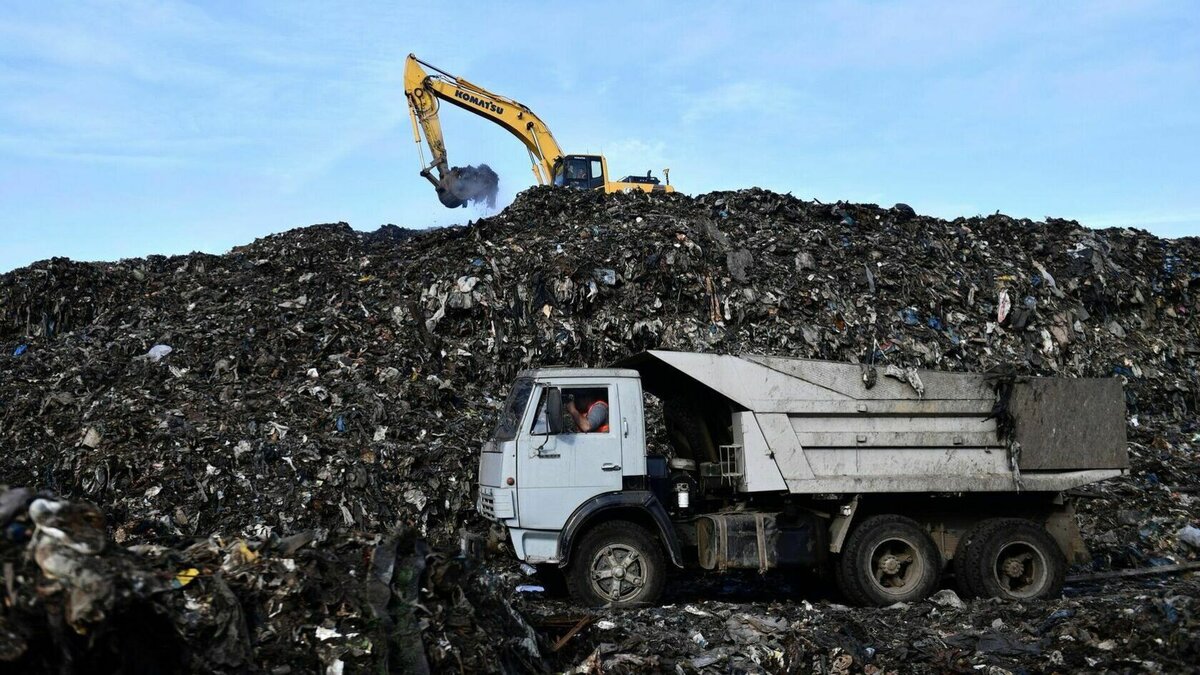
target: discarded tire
1014 559
617 563
888 559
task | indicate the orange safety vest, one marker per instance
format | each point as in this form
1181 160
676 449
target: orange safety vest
603 428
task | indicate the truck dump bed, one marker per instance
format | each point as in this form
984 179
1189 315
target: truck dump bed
810 426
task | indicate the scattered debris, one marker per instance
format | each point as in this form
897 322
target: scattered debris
329 384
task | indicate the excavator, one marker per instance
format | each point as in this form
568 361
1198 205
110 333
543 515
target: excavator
425 86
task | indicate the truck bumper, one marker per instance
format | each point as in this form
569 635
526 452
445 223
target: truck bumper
534 546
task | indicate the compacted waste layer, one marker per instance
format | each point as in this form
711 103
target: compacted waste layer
278 430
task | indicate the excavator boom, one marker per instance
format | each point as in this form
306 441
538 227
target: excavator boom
426 86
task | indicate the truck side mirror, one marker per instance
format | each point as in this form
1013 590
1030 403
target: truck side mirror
554 414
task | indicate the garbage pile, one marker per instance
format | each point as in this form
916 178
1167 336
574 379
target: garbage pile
1131 628
76 602
339 383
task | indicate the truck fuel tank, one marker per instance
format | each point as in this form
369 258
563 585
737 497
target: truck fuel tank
762 541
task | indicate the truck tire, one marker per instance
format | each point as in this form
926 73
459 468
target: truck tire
617 563
1014 559
888 559
968 583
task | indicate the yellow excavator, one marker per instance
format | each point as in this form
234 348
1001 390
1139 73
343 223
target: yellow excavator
426 86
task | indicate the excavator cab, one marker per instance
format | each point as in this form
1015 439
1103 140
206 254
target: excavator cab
590 172
584 172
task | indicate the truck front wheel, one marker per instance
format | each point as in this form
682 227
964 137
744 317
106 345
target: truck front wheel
888 559
618 563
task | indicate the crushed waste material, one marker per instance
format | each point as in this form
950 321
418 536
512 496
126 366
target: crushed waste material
242 456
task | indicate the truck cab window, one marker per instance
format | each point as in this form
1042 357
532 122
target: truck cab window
586 410
540 427
513 410
591 411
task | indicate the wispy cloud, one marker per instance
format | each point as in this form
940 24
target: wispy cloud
1181 222
204 123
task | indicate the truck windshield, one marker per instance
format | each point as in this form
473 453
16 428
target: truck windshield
514 410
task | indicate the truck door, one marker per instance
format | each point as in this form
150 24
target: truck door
555 474
597 452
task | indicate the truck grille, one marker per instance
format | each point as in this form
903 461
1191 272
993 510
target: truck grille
487 506
496 503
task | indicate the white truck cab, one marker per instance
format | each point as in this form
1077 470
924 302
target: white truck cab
532 477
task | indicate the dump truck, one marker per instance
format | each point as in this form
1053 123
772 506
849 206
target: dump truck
882 479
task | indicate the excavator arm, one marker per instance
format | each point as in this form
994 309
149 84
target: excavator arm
425 89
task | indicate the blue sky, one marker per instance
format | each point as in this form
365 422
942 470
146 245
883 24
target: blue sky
138 127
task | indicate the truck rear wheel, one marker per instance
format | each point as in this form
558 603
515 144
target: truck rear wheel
969 585
888 559
618 563
1013 559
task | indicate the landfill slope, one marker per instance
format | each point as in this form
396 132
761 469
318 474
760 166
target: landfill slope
339 383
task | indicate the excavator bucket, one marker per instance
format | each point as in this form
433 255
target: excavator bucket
464 184
447 195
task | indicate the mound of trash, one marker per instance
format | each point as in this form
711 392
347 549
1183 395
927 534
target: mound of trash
336 385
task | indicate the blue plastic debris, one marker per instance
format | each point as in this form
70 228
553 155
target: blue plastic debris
606 276
1169 611
20 350
341 424
17 532
910 316
1169 263
935 323
1056 617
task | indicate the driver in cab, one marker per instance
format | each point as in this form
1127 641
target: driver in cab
593 417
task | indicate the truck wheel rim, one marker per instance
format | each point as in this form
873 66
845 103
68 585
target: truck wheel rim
896 566
1020 569
618 573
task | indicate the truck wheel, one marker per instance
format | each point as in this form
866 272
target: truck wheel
617 563
1014 559
888 559
969 585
